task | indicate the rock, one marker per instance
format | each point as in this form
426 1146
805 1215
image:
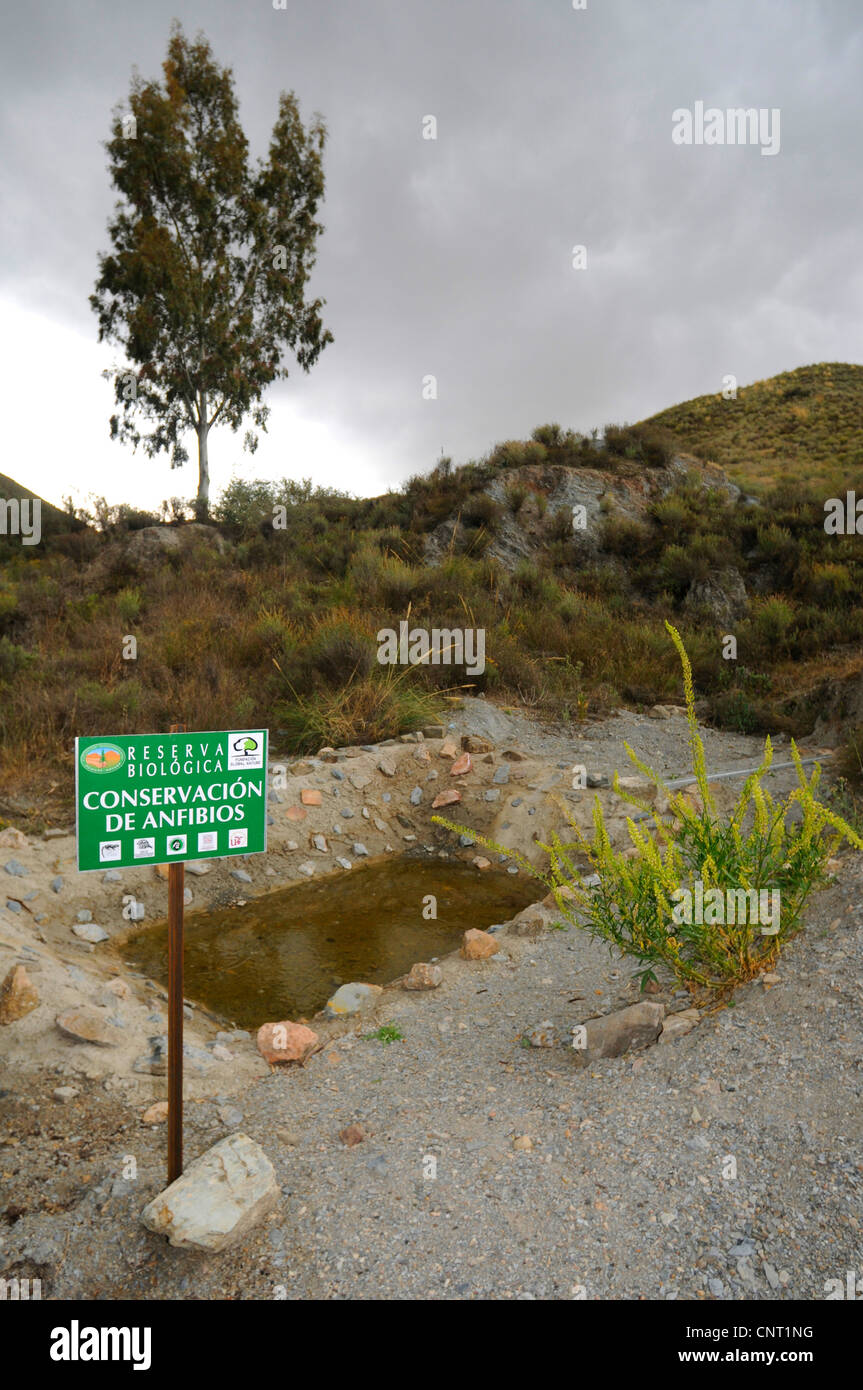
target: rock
522 1143
198 868
493 794
478 945
598 779
88 1025
89 931
55 834
471 743
310 796
359 781
118 987
416 796
64 1094
481 863
352 998
544 1035
433 731
625 1029
319 843
285 1042
154 1065
15 869
13 905
351 1135
501 776
461 765
296 813
447 798
421 755
56 885
423 976
18 995
722 594
448 749
222 1053
10 838
161 870
344 863
112 876
148 545
513 756
387 767
241 876
677 1025
230 1116
85 915
307 868
360 851
156 1114
221 1196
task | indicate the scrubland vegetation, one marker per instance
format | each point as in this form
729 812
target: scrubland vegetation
278 626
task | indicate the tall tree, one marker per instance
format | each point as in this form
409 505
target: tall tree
204 287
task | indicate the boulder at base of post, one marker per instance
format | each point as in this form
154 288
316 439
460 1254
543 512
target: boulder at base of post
219 1197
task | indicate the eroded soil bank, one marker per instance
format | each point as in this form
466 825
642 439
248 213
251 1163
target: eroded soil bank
621 1190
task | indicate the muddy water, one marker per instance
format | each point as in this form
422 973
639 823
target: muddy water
284 954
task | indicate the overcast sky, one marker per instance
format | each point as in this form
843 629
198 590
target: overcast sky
453 257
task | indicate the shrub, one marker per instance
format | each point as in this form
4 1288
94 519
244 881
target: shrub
638 903
516 494
552 436
481 510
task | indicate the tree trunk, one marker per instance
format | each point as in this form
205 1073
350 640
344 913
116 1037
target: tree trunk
202 501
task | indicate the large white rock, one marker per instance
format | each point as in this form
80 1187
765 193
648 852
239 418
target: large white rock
220 1196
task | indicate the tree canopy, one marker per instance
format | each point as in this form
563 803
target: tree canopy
204 287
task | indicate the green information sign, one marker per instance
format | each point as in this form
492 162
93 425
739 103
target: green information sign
165 798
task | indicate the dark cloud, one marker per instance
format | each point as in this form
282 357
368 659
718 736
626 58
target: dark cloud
453 257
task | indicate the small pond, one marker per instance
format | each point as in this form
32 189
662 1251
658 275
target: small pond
283 955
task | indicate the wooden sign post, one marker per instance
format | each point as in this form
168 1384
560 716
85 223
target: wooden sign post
176 894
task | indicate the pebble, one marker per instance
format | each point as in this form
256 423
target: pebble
416 796
65 1093
89 931
56 885
241 876
112 876
360 851
84 915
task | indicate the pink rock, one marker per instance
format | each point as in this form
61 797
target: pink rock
448 748
462 764
296 813
285 1042
310 796
446 798
479 945
423 976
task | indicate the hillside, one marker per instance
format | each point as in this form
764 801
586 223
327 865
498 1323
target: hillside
570 554
804 424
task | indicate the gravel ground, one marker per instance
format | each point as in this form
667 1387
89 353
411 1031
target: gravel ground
726 1164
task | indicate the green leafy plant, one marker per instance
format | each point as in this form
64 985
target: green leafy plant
387 1033
637 901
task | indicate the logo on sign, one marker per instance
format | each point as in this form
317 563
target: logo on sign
108 850
177 844
144 849
102 757
238 839
208 839
245 751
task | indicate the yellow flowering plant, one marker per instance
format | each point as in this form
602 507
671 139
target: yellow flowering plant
714 900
